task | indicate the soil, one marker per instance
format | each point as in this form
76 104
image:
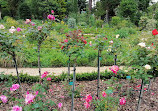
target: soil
60 95
56 71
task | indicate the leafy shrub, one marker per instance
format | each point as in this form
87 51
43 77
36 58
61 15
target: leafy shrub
115 20
99 23
11 22
151 24
24 11
71 23
123 32
82 24
143 22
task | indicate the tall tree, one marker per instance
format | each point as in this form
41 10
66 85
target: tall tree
143 4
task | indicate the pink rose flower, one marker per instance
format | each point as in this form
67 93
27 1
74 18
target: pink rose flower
122 101
60 105
48 79
18 29
39 28
44 74
65 40
14 87
87 105
4 98
52 11
32 24
51 17
29 98
88 98
104 94
16 108
114 69
28 21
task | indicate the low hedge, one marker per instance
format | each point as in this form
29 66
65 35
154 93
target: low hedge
25 78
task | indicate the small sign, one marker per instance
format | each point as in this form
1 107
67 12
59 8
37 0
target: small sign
100 58
68 61
128 77
70 83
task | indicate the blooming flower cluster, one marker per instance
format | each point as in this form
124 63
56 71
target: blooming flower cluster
114 69
4 98
14 87
87 99
30 97
16 108
122 101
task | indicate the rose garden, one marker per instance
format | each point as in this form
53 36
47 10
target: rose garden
56 43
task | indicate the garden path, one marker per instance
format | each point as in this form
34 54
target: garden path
57 71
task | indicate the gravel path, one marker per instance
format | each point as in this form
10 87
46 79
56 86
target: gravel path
57 71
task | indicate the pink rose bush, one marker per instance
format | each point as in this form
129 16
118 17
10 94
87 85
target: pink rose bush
44 74
18 29
114 69
60 105
4 98
87 105
49 79
14 87
87 99
16 108
104 94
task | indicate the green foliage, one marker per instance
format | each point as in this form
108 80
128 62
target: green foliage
115 20
99 23
10 21
24 11
125 32
151 24
71 23
143 22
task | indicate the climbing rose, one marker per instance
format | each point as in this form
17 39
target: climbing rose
14 87
48 79
88 98
87 105
122 101
104 94
114 69
3 98
60 105
51 17
16 108
18 29
155 32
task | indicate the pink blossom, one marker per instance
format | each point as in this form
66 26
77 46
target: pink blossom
28 21
32 24
18 29
16 108
104 94
152 93
51 17
88 98
114 69
39 28
14 87
122 101
44 74
4 98
65 40
52 11
87 105
48 79
60 105
29 98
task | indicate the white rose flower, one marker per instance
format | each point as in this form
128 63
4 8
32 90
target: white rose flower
147 66
117 36
2 26
111 42
148 47
12 29
142 44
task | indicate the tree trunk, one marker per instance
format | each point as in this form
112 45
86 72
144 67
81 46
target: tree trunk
14 59
90 5
107 16
0 12
39 65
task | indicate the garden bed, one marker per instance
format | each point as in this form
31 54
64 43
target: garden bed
57 92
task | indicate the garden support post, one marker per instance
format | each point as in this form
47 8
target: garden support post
140 96
69 69
73 88
39 66
98 85
149 85
14 59
115 59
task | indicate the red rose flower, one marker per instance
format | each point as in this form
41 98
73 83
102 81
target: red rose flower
155 32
